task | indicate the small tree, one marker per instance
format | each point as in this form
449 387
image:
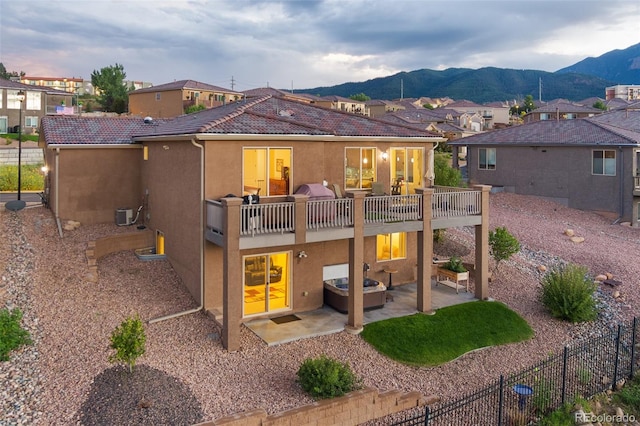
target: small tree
128 340
502 245
12 335
360 97
445 175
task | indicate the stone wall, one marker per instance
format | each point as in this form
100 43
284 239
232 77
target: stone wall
9 156
114 243
354 408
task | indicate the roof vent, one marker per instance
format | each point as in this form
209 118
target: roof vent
148 120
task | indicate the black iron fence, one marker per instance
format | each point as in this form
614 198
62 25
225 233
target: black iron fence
583 369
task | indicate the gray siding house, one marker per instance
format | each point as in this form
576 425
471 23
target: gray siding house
588 164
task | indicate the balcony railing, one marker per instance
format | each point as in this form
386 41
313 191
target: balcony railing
279 218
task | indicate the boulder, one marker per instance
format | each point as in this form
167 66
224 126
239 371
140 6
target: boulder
569 232
542 268
577 239
601 277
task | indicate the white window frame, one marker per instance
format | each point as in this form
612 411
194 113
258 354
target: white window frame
605 164
488 164
31 121
34 101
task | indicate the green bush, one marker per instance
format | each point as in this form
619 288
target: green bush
31 178
630 395
445 174
455 264
324 377
128 340
567 291
502 245
12 335
194 108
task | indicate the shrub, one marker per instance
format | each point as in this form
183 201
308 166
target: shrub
445 175
567 291
502 245
31 178
128 340
12 335
324 377
455 264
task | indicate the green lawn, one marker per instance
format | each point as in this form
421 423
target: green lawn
429 340
33 138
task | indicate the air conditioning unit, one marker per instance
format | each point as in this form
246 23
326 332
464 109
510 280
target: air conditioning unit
124 217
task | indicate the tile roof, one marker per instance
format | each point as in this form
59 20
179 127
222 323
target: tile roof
184 85
563 106
554 132
622 119
280 116
74 130
10 84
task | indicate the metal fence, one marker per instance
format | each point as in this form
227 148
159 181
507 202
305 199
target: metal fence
583 369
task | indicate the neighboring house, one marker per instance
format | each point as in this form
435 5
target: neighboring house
352 106
244 258
627 92
486 116
378 108
561 109
38 102
172 99
588 164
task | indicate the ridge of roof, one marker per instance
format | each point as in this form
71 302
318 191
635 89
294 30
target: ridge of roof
240 110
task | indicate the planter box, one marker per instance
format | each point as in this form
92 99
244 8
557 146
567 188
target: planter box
452 279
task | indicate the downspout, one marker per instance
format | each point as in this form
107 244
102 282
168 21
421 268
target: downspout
57 162
201 227
621 184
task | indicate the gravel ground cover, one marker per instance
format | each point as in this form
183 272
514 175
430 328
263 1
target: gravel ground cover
65 377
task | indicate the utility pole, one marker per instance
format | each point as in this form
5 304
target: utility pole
401 88
540 89
233 83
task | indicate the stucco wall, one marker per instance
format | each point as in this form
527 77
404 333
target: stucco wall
559 173
171 178
93 182
145 104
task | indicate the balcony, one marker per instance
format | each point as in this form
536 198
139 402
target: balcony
273 224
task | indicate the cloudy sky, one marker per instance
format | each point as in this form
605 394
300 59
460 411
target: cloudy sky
305 43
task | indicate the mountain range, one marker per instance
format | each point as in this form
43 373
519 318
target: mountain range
585 79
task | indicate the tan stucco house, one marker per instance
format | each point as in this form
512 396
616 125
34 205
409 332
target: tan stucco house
222 189
172 99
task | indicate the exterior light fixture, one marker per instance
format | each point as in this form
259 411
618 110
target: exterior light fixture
385 156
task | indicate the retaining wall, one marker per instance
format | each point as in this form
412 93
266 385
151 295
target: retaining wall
9 156
354 408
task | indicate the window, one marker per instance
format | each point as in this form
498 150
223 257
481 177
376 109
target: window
604 162
34 101
407 170
360 168
12 99
31 121
267 171
391 246
157 96
486 158
544 116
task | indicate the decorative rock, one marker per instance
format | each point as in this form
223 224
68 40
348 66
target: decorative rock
609 275
605 380
625 223
601 277
620 384
542 268
569 232
616 294
619 412
577 239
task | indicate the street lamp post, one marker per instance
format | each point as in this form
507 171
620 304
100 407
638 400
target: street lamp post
21 97
18 204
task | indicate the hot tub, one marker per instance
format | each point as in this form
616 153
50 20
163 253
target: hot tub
336 294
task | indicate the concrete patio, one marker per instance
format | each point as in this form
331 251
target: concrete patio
400 302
